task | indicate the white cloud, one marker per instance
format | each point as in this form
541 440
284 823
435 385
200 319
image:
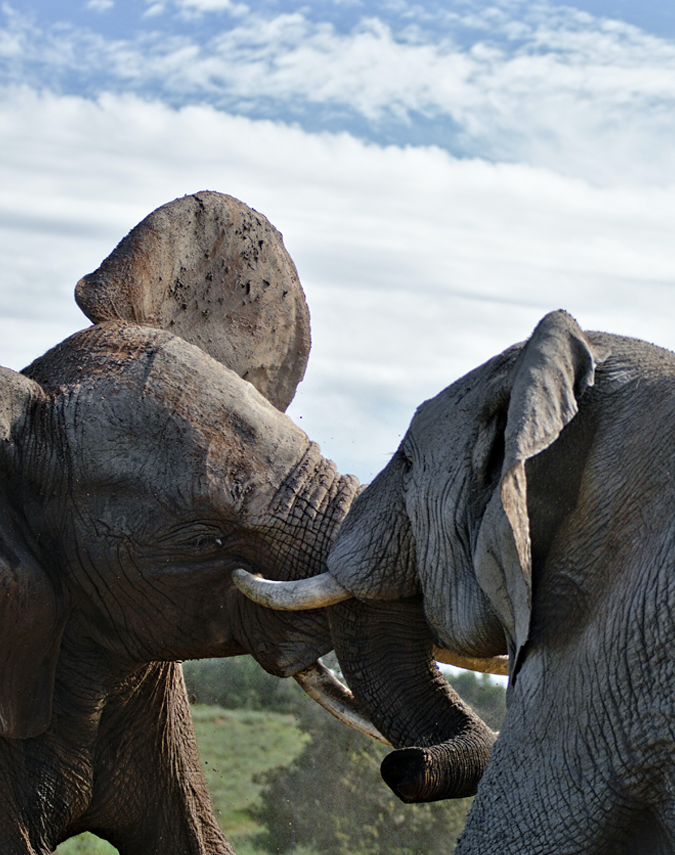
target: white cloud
100 5
203 6
417 266
554 88
154 9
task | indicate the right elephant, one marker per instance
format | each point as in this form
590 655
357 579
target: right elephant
531 509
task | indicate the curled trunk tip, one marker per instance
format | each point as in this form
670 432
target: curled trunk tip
451 770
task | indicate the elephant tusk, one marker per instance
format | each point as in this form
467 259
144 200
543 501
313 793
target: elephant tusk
333 696
493 665
313 593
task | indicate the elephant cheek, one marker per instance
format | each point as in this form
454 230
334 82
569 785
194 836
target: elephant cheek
460 616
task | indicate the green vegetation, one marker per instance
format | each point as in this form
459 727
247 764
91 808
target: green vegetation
86 844
240 683
484 695
238 747
284 776
345 807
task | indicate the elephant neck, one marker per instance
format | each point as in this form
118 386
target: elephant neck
312 502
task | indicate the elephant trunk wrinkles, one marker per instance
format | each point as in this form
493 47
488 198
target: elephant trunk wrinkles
313 499
385 651
299 526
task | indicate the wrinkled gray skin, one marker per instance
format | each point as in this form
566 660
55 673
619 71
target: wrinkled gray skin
137 472
531 508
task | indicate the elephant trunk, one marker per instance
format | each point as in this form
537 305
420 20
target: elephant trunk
306 513
296 529
385 651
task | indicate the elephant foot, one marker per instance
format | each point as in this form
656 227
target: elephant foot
451 770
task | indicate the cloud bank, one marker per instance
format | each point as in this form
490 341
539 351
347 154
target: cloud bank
417 265
535 83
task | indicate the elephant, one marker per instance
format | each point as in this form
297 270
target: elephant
143 459
530 512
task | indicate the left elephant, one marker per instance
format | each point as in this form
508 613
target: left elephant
137 473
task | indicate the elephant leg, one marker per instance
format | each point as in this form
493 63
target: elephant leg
568 779
150 796
385 651
529 804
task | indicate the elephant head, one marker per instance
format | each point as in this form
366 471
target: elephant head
530 509
143 460
439 549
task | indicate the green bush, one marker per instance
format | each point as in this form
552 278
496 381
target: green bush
487 697
86 844
332 799
240 683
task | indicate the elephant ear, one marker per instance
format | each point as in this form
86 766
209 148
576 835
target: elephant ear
32 615
551 373
216 273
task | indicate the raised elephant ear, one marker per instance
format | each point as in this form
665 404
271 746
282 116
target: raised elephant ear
551 373
215 272
32 613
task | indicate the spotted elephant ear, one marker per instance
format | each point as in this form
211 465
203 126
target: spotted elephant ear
551 373
216 273
32 612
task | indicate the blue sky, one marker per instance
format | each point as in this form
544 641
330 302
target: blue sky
470 77
443 173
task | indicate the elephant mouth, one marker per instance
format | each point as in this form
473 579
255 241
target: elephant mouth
316 680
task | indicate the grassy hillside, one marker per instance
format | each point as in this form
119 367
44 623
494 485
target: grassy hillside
237 747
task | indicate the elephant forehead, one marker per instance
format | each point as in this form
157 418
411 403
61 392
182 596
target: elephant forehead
185 381
249 445
177 419
134 450
151 367
444 428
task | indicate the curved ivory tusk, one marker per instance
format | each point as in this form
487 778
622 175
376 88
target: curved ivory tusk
493 665
333 696
312 593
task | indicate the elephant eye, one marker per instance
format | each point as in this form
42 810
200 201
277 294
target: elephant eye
215 542
203 541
